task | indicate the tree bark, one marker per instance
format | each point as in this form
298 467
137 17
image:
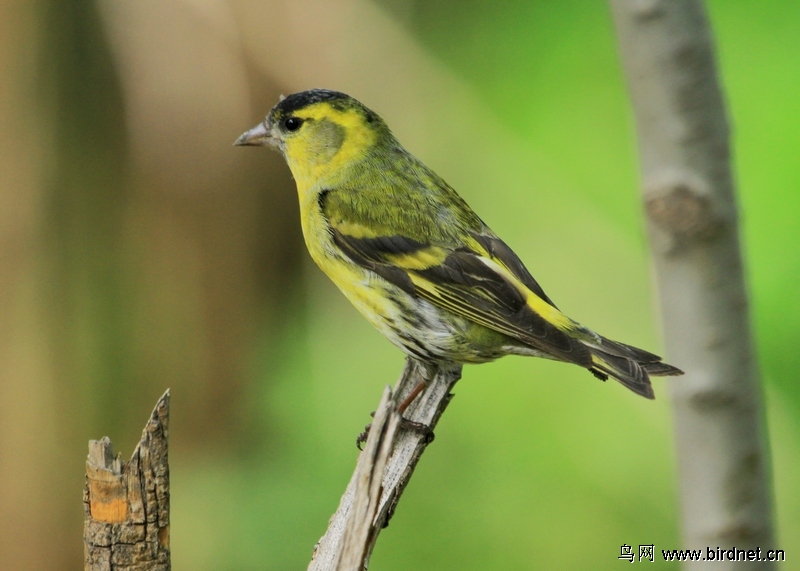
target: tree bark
126 505
689 200
384 469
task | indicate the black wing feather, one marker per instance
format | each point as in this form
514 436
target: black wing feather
498 249
363 251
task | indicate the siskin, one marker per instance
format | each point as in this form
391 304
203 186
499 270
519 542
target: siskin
414 258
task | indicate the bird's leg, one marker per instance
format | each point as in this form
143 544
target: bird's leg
404 422
412 396
410 424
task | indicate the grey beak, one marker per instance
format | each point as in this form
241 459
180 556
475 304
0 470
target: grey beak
258 136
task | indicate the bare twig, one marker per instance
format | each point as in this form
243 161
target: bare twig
667 50
126 524
354 528
368 484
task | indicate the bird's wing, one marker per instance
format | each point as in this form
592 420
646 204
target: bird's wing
497 250
473 280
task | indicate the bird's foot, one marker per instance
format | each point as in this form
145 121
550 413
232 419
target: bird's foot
420 427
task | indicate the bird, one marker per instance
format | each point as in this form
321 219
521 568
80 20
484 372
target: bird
411 255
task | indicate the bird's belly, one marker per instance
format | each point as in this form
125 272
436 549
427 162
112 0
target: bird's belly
416 326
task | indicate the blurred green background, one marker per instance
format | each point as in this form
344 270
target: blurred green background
139 250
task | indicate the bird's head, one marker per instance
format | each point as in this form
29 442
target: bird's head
319 132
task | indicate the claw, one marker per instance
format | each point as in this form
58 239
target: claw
362 438
422 428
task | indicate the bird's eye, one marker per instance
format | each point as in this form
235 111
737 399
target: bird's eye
292 123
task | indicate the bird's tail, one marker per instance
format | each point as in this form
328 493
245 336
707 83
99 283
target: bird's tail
629 365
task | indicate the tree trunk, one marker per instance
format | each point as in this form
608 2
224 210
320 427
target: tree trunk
688 191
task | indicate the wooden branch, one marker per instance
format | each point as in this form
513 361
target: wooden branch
384 469
126 505
667 51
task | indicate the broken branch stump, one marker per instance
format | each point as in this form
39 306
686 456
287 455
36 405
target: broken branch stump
126 505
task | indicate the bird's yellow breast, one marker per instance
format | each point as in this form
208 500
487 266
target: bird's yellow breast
363 288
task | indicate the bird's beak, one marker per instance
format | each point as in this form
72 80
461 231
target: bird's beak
258 136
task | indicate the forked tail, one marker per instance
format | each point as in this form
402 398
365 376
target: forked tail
629 365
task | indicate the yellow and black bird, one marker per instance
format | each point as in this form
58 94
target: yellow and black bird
413 257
